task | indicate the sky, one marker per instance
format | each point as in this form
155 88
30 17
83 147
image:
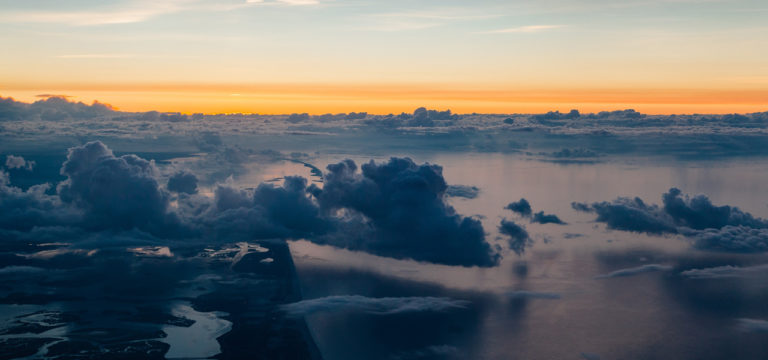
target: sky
320 56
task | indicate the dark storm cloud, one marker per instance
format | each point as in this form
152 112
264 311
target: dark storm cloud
635 271
463 191
719 228
522 207
377 306
518 236
183 182
18 162
405 213
542 218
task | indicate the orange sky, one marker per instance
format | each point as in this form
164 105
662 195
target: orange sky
393 98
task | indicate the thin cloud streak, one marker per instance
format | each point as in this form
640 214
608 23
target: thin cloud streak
523 29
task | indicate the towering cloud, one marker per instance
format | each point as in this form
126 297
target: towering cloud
115 192
406 212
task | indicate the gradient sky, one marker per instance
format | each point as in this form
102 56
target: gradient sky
282 56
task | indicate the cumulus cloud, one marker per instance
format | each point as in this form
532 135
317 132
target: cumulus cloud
377 306
463 191
522 207
115 192
518 236
268 211
18 162
404 212
727 272
720 228
635 271
542 218
677 214
183 182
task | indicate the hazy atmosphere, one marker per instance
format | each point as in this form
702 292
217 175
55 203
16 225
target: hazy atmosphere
313 179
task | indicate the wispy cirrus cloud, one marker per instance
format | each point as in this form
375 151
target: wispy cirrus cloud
134 11
523 29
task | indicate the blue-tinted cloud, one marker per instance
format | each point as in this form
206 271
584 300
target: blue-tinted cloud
183 182
377 306
406 211
522 207
519 239
18 162
542 218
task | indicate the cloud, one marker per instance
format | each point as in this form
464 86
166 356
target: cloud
630 215
463 191
115 192
635 271
752 325
405 214
183 182
542 218
719 228
18 162
523 29
377 306
265 212
728 272
522 207
518 237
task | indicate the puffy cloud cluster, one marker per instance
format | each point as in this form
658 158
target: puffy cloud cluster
115 192
396 209
377 306
18 162
52 108
723 228
265 212
404 212
542 218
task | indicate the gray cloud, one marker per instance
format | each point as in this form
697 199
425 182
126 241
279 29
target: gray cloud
377 306
522 207
518 236
406 213
720 228
463 191
727 272
542 218
183 182
635 271
18 162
